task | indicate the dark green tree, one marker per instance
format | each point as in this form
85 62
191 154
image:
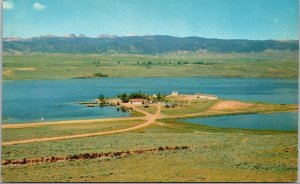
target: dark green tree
101 97
158 96
123 97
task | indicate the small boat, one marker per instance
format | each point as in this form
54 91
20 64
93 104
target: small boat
42 119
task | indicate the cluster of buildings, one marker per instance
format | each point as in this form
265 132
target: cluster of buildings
141 101
199 95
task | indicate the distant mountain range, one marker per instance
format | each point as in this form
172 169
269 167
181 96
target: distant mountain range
156 44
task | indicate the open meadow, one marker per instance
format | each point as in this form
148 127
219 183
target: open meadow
213 155
279 64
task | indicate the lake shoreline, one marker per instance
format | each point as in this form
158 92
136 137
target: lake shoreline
133 77
282 121
260 109
68 92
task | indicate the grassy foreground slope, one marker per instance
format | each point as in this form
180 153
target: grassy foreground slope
278 64
213 155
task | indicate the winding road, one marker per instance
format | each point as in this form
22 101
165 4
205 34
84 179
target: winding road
222 108
150 119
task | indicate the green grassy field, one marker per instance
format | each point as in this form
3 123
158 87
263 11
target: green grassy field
279 64
214 155
195 106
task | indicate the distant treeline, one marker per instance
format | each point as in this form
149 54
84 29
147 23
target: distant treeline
170 62
100 75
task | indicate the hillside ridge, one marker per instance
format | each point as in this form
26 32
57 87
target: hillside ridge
150 44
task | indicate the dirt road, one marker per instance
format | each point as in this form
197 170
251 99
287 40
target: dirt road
25 125
150 119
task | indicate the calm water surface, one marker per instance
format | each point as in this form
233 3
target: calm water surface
31 100
278 121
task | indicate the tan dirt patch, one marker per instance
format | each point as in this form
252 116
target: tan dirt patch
182 97
25 69
160 124
230 105
245 140
8 72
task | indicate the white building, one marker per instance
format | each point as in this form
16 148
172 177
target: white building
174 93
206 96
138 101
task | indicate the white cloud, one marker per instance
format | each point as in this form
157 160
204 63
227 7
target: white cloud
8 5
38 6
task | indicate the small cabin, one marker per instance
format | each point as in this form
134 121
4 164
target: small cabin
174 93
138 101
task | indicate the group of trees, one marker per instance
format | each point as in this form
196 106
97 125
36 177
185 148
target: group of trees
202 63
159 96
185 62
169 62
101 98
165 62
100 75
144 63
125 98
150 62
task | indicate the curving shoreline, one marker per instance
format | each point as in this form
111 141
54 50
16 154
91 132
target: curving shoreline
221 107
226 107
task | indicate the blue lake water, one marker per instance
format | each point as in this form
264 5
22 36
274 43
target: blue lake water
30 100
278 121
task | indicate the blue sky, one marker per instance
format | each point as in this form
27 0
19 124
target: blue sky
227 19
